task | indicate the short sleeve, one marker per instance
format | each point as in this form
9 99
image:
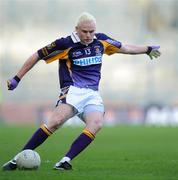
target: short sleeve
111 45
57 45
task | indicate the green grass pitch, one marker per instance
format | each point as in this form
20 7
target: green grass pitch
119 153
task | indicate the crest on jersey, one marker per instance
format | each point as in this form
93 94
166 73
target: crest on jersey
97 50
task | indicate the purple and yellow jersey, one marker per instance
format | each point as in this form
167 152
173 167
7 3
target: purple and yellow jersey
79 64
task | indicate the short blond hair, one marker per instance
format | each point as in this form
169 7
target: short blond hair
85 16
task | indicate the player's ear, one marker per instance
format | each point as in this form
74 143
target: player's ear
76 28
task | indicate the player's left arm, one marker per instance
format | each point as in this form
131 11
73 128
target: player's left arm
151 51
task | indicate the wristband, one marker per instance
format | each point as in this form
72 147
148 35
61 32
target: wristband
149 50
17 78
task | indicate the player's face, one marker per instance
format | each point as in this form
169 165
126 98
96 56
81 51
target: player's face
86 31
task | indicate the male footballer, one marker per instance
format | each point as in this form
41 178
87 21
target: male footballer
80 59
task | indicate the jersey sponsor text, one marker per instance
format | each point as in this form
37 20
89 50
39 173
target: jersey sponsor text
88 61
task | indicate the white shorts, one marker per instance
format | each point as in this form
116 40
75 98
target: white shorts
84 100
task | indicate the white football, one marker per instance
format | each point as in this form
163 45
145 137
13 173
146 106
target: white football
28 160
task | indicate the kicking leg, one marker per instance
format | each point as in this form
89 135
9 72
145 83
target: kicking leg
59 116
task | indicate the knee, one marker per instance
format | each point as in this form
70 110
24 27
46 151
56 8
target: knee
95 125
98 124
55 122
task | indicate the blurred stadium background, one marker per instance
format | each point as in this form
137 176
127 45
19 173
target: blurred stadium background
135 90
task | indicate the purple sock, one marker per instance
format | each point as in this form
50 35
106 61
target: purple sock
79 145
38 138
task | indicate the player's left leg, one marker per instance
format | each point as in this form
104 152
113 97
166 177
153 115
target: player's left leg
94 122
60 114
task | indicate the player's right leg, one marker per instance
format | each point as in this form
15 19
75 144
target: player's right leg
94 122
60 114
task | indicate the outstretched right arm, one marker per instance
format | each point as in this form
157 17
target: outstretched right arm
29 63
55 50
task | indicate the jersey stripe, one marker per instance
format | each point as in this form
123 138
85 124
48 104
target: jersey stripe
61 55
